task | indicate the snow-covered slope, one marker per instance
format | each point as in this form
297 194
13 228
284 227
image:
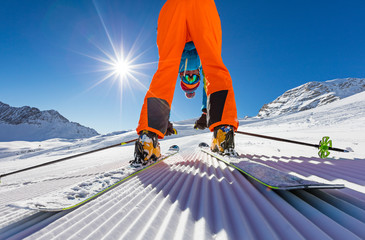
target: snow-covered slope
311 95
31 124
193 196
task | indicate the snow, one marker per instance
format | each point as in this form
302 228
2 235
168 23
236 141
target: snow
193 195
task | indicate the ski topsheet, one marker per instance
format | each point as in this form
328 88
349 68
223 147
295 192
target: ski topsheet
268 176
81 193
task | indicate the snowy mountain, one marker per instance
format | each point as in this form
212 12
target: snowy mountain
31 124
311 95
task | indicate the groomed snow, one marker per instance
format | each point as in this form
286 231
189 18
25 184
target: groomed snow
192 195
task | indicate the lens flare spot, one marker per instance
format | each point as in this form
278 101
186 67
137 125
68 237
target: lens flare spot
121 68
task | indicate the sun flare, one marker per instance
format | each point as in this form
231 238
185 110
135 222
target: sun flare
121 68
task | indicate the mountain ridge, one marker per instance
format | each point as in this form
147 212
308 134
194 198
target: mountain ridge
311 95
31 124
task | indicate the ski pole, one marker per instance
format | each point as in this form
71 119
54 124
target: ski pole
65 158
324 145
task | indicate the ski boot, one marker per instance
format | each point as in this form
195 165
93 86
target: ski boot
147 149
223 140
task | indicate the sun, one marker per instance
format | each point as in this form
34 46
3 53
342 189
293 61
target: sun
121 68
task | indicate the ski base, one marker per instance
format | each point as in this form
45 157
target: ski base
268 176
76 195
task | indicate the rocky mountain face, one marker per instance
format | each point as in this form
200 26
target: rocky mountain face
31 124
311 95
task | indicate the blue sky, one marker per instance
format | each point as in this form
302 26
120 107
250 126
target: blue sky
49 52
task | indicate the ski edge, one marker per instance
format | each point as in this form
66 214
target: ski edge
237 168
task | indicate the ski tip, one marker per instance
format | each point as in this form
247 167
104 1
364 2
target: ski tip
174 148
348 150
203 144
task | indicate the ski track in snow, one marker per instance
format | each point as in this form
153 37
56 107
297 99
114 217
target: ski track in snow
192 195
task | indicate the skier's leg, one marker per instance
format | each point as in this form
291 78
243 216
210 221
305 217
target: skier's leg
171 38
205 30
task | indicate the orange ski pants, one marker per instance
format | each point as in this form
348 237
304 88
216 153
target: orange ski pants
181 21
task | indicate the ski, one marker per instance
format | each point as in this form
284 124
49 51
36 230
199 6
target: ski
84 192
267 176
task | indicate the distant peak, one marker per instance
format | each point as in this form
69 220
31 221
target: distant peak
29 123
311 95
